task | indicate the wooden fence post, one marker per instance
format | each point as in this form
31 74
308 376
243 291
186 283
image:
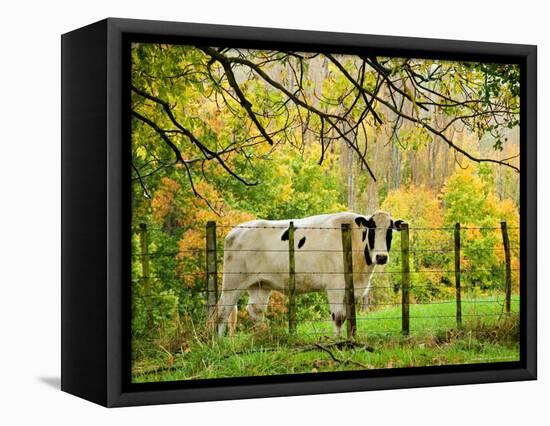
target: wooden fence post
211 266
506 242
405 278
457 277
145 271
349 297
291 281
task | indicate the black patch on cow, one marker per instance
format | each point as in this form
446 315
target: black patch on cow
361 221
371 224
284 237
365 223
301 242
367 256
389 234
372 233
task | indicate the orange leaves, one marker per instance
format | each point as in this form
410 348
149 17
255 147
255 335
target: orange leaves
163 199
194 214
192 239
211 115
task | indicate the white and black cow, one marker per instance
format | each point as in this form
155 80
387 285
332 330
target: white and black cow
256 261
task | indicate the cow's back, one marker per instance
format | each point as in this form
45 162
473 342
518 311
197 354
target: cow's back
257 251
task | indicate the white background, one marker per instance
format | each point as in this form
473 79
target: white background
30 211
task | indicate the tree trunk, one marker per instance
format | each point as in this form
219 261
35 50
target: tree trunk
372 186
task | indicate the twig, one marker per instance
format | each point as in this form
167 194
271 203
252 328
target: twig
338 360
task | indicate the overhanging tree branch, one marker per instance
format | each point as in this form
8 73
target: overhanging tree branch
204 149
245 103
420 122
420 90
331 119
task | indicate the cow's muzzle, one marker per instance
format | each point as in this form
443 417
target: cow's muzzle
381 259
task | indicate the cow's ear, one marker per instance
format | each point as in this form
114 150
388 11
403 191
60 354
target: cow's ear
397 224
361 221
366 222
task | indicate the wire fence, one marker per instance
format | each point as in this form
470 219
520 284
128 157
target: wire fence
284 226
219 286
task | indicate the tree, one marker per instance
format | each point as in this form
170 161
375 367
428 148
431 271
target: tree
192 106
473 202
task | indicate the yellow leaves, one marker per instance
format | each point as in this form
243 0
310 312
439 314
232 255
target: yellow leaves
141 152
465 176
514 263
283 169
211 115
286 192
492 204
417 205
508 211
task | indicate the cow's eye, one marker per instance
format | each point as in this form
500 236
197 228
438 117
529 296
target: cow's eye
389 234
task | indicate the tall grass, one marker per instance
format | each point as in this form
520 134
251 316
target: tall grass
487 335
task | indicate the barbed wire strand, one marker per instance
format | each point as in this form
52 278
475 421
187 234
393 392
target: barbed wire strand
286 226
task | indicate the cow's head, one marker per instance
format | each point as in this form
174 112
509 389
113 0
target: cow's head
377 235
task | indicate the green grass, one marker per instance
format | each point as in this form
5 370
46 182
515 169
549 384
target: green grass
486 336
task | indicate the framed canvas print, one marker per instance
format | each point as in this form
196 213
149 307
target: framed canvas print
253 212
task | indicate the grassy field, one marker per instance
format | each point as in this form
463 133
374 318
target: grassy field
486 336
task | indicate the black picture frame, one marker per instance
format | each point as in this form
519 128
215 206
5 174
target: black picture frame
96 227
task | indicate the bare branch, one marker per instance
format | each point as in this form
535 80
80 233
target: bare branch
205 150
145 190
424 124
331 119
245 103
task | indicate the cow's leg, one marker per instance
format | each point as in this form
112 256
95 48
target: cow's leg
232 321
363 301
226 305
257 303
337 309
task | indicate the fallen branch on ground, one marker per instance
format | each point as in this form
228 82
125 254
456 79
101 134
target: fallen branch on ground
341 361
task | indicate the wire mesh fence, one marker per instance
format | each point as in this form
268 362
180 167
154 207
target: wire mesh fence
350 281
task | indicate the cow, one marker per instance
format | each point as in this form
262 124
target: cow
256 260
